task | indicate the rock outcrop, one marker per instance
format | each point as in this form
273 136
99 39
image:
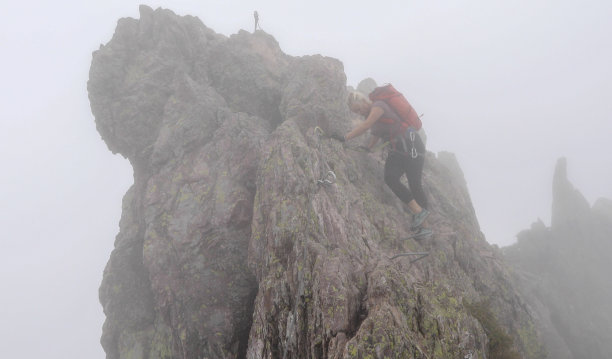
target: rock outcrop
231 243
564 273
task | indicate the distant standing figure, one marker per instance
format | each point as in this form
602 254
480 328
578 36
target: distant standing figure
256 16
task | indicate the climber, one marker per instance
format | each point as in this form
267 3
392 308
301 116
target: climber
406 151
256 16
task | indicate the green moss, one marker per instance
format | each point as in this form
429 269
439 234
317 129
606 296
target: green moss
220 197
161 345
151 189
178 177
135 351
533 348
389 233
165 219
352 350
438 353
116 288
500 343
441 257
184 195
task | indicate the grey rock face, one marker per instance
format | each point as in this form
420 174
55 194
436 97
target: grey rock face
230 248
564 273
569 208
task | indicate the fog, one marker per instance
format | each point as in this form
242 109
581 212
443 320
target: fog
508 88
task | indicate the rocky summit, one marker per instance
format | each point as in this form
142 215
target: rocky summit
564 272
249 233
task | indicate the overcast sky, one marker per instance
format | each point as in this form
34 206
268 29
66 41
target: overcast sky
509 87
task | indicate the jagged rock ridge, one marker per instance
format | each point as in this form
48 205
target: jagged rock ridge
564 272
228 245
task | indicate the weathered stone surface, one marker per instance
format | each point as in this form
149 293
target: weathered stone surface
230 248
564 273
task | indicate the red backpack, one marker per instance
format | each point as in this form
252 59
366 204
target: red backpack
399 104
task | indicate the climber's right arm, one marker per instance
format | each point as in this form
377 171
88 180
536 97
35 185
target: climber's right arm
375 113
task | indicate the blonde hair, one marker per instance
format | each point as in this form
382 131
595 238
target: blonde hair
356 96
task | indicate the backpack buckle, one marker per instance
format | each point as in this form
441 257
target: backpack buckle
413 151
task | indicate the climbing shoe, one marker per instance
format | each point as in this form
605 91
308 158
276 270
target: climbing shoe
419 218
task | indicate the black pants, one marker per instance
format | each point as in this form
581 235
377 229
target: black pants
400 162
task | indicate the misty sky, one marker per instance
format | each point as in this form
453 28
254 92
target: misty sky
509 87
